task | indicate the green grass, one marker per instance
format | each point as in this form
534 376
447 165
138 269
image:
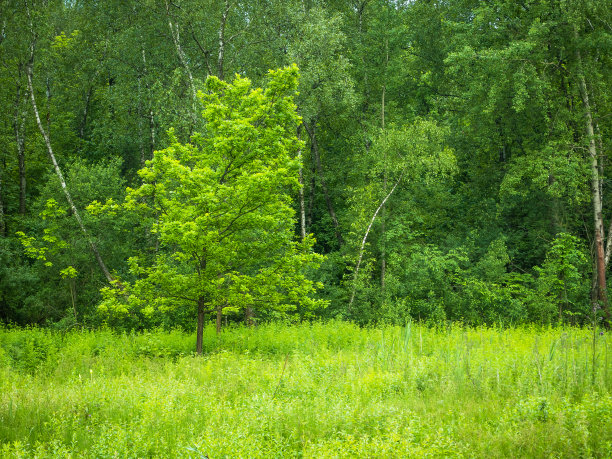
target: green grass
320 390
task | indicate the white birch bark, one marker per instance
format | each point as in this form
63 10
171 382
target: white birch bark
595 190
365 238
176 38
19 124
221 55
60 176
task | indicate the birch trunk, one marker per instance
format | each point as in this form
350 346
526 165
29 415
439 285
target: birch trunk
19 125
150 114
20 138
365 238
596 194
311 192
176 38
60 176
85 112
221 55
141 116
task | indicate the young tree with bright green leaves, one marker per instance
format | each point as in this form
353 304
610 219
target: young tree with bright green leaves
222 210
562 281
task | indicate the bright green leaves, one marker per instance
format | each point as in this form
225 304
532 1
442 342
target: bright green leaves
64 41
561 282
68 273
50 243
221 208
409 165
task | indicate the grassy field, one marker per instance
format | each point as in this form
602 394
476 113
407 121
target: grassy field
320 390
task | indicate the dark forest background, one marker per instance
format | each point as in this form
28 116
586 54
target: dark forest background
484 124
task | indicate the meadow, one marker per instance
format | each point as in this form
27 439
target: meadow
310 390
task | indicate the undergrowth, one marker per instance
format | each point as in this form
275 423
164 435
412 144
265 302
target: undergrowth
311 390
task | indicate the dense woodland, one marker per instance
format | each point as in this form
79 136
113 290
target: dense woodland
440 160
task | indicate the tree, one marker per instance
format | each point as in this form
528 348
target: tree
222 210
327 90
561 281
533 83
410 158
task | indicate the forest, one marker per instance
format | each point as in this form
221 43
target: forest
305 228
420 160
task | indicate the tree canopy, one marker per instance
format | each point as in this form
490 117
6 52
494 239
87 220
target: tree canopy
438 160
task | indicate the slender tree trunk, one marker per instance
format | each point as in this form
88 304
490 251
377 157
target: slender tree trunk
221 55
366 86
60 176
151 133
315 153
383 246
20 138
22 176
301 178
72 287
200 327
608 251
219 318
141 116
176 38
311 194
85 112
2 222
596 195
48 94
383 216
150 115
365 238
249 316
19 125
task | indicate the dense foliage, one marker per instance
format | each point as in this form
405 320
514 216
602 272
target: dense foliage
449 160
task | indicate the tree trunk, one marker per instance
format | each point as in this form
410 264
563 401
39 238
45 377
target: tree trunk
249 316
596 195
85 112
315 153
301 178
176 38
383 216
19 125
20 138
141 145
200 327
221 55
151 133
311 194
365 238
2 223
219 318
59 174
150 115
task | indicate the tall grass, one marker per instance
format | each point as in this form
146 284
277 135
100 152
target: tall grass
312 390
